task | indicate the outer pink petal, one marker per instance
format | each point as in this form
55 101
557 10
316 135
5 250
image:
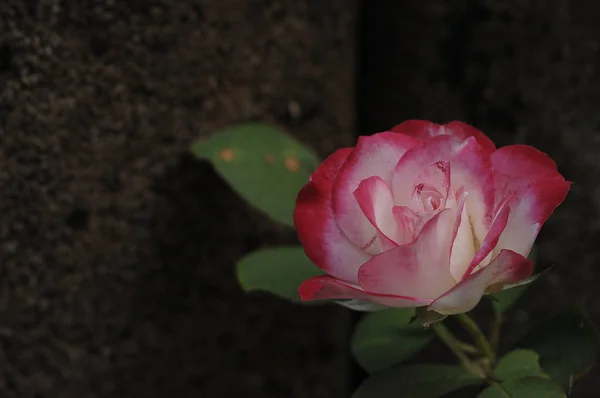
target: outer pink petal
536 187
507 267
419 269
375 155
423 130
328 288
419 129
471 171
463 131
324 243
375 199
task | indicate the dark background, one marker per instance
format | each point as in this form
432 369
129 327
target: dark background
117 248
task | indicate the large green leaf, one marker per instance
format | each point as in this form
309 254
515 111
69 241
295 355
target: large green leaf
518 364
264 165
527 387
416 381
278 270
387 337
567 346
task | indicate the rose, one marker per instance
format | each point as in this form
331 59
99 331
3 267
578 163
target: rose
424 215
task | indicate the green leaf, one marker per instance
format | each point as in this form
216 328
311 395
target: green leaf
527 387
504 300
416 381
567 346
387 337
262 164
518 364
278 270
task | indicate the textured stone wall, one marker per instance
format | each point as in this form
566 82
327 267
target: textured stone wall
523 71
116 247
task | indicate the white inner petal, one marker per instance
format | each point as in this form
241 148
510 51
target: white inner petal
463 248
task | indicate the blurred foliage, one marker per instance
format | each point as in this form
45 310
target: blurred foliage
279 270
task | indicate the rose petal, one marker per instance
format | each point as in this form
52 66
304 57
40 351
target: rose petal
536 187
375 155
491 239
361 305
375 199
507 267
463 249
328 288
324 243
419 129
418 269
471 171
408 223
413 187
424 130
432 183
463 131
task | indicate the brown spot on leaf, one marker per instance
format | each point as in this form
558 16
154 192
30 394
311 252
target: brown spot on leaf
270 159
292 163
227 154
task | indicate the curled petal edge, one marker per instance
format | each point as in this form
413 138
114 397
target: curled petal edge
328 288
507 267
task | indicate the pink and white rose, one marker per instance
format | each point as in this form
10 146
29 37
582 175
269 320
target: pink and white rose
424 215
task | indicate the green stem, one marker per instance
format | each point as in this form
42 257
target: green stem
497 385
468 348
480 340
495 330
455 346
